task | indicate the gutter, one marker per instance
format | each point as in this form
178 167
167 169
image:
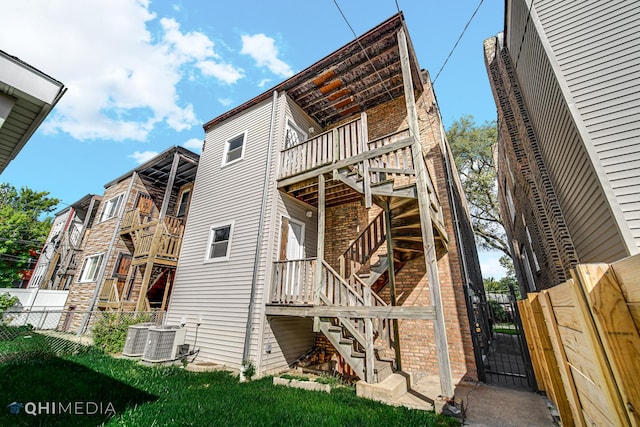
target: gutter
263 211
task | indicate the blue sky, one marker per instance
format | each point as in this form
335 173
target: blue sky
143 75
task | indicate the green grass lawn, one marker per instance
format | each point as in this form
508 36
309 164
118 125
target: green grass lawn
152 396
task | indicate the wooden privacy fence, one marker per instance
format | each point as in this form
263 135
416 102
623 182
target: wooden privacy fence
585 346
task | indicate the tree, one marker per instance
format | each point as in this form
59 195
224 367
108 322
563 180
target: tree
23 229
472 149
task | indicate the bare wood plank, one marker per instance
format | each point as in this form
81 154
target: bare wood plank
617 332
594 401
550 365
319 247
531 331
374 312
561 359
627 272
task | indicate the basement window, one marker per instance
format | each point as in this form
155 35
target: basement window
219 242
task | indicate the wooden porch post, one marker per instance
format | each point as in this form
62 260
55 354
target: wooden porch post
366 178
170 181
317 278
428 241
392 285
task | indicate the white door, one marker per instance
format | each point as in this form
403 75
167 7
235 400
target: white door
295 240
292 249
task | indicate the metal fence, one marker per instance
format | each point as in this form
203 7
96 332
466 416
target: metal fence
30 333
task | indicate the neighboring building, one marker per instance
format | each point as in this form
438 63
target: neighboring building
566 80
297 190
58 260
130 255
26 98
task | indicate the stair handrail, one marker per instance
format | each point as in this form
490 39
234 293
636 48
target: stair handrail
326 297
375 235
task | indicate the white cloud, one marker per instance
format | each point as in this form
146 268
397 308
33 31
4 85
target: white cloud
194 144
263 82
225 101
143 156
264 51
121 78
226 73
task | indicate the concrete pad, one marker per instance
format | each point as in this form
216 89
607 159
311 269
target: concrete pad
390 389
204 367
486 405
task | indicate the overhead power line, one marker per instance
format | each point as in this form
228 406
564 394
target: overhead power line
363 50
458 41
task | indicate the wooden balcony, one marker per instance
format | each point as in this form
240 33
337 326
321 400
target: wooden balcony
109 297
161 241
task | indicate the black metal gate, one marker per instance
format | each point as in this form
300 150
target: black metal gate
508 362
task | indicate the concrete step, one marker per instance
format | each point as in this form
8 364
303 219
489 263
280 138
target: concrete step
388 390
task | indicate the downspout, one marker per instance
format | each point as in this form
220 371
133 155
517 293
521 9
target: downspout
103 267
263 213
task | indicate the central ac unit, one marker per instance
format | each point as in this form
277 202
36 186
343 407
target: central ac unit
164 343
136 339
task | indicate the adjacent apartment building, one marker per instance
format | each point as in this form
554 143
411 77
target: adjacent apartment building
58 260
327 213
128 256
566 81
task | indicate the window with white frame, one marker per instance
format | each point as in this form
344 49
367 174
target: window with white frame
219 242
234 149
90 268
111 207
294 135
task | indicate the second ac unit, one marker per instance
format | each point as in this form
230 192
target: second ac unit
136 339
164 343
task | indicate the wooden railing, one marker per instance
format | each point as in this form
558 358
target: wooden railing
162 241
328 147
109 291
293 281
396 165
363 247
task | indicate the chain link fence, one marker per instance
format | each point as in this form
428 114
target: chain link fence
36 333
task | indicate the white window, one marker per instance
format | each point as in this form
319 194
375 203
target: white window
294 135
111 207
219 242
90 268
234 149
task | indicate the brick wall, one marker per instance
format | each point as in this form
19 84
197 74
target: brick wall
522 173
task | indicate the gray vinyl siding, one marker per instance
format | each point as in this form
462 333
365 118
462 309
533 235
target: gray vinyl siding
220 291
573 175
597 47
287 338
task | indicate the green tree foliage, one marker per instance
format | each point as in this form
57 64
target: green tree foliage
110 333
472 149
24 226
505 284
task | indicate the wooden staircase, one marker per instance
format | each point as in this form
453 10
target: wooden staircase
351 349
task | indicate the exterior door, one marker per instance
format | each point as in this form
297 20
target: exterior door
292 250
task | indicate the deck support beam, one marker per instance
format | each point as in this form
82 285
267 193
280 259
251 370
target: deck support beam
428 241
317 285
392 284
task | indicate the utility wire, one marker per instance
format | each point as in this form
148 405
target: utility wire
363 50
458 41
524 33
